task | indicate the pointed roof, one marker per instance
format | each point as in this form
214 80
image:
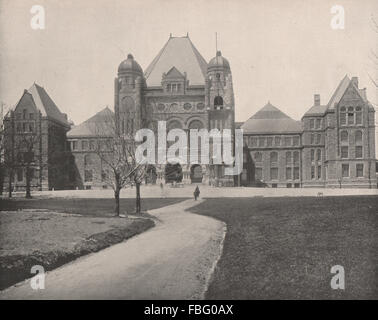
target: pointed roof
45 104
270 119
174 74
94 126
178 52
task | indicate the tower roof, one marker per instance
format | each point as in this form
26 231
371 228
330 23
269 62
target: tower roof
45 104
178 52
218 62
129 65
270 119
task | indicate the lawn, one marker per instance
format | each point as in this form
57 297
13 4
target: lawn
51 232
90 206
284 248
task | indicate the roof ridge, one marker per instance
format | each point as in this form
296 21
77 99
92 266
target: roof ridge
156 59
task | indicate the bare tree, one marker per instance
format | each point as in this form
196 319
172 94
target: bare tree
117 152
374 54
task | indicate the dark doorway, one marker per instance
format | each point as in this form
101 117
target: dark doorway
173 172
196 173
151 175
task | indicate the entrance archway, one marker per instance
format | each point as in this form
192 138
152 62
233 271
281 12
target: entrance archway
173 172
196 173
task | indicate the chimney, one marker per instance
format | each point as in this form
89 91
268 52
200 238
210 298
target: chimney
316 99
355 81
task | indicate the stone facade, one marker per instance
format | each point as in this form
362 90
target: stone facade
35 140
333 147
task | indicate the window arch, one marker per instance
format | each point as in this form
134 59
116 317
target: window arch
187 106
218 102
196 124
174 124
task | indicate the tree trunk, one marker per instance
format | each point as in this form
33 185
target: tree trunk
28 194
116 197
137 207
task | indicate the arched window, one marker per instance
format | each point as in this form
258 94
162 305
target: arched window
196 124
343 116
218 102
344 136
174 124
273 157
358 137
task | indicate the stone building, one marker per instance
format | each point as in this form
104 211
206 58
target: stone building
332 146
35 140
178 87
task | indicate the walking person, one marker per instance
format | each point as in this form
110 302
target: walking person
196 193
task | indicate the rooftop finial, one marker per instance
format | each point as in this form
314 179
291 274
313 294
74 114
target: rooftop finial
130 56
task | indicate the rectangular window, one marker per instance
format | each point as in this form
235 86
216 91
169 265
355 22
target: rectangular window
359 170
31 116
24 128
273 173
168 87
73 145
312 154
258 174
312 123
296 141
345 170
296 173
312 172
344 152
318 123
350 117
359 152
253 141
91 145
318 154
277 141
312 138
288 174
261 141
84 145
88 175
318 138
269 141
319 172
31 126
296 157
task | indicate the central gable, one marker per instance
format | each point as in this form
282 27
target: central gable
181 54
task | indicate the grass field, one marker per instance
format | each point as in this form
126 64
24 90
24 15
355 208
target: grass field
90 206
284 248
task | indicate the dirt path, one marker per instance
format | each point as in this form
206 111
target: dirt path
174 260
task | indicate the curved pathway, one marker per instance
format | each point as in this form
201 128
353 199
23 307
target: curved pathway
173 260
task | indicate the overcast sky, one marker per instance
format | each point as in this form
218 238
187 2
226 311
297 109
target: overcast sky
282 51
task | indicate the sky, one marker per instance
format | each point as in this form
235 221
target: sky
279 51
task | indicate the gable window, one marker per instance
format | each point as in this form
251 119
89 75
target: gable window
73 145
24 114
350 115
